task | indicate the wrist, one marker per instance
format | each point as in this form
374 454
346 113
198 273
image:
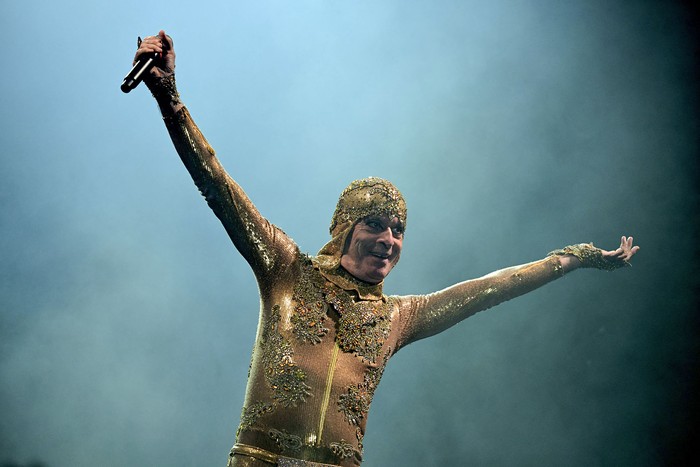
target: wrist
568 262
164 90
588 256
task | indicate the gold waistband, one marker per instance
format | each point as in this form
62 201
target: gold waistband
271 457
252 451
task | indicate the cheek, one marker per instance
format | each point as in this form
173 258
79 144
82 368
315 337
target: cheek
355 250
362 248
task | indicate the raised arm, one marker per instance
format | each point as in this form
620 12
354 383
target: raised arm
264 246
425 315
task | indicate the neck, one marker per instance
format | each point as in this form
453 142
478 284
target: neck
346 281
348 266
343 272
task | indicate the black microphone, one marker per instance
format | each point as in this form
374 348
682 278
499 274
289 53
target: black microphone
139 71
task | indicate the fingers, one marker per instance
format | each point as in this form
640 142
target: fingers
148 45
626 243
160 44
629 248
624 253
612 254
152 44
148 48
631 253
166 40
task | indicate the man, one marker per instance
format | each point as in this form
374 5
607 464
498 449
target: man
326 329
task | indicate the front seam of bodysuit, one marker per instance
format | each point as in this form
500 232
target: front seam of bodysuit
327 392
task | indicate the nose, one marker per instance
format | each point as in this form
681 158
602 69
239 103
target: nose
386 238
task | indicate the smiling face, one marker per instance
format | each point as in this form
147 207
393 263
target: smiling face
374 248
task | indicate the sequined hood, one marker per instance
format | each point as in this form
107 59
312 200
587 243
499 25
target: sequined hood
366 197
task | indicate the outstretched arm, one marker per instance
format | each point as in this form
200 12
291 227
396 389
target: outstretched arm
264 246
425 315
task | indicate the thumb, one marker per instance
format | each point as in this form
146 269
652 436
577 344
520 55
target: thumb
166 40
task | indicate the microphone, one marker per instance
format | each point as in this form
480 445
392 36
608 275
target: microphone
139 71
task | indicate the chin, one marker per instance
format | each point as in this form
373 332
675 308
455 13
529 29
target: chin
381 275
374 277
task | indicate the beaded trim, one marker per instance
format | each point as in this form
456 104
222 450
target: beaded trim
250 415
363 326
286 442
368 196
342 449
354 404
286 379
164 90
590 257
310 309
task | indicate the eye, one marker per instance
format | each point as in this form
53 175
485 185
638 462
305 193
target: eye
397 232
373 224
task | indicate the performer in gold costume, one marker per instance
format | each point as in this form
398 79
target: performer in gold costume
326 330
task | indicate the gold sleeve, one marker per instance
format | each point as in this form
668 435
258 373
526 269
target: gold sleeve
264 246
422 316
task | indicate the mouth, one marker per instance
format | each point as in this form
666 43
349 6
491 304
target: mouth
380 255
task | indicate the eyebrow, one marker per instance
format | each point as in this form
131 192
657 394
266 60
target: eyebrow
382 219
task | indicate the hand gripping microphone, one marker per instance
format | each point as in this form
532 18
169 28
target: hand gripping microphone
140 70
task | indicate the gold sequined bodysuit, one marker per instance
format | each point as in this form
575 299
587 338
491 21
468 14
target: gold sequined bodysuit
323 337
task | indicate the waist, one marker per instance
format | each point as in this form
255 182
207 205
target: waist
274 459
269 449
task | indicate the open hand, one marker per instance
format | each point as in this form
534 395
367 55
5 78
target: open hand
623 253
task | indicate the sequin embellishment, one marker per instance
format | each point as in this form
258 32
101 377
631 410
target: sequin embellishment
591 257
342 449
363 326
355 403
286 379
310 309
285 441
368 196
251 414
